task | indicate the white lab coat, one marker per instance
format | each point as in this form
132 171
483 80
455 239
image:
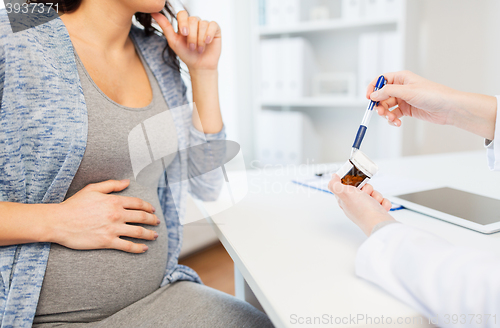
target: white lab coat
433 276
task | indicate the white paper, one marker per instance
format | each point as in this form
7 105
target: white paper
385 184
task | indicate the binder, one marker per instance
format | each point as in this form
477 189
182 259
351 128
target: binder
368 61
390 52
374 8
298 67
379 53
392 8
290 12
286 138
274 12
268 64
351 9
262 12
287 67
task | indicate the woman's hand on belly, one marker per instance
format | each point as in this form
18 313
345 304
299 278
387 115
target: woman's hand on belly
93 219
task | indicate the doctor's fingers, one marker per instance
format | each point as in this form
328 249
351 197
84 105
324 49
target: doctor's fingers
377 196
386 104
368 188
386 204
389 77
400 77
388 110
336 187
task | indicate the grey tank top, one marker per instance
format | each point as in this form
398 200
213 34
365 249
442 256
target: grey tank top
90 285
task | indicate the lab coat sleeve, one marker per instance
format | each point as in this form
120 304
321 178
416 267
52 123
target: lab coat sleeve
433 276
493 146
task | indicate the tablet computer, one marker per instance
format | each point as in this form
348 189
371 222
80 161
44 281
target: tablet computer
473 211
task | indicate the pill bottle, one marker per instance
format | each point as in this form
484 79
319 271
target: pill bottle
357 170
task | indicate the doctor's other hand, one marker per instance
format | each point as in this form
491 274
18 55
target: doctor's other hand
420 98
197 42
365 207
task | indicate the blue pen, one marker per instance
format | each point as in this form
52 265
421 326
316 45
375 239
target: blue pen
366 119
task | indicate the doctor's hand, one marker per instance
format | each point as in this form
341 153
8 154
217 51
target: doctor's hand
415 97
197 42
365 207
433 102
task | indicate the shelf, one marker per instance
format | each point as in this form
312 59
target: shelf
334 24
315 102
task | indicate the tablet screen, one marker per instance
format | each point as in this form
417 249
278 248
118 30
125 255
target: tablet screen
476 208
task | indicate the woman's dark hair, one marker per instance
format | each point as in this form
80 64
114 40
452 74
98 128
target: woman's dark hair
68 6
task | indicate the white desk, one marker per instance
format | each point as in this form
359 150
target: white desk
296 249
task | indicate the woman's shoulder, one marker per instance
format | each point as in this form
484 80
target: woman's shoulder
5 27
36 31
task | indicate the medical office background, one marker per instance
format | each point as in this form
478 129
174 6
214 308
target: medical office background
293 76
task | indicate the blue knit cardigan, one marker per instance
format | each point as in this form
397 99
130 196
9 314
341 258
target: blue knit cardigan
43 133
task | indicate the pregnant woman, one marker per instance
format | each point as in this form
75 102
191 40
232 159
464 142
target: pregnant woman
83 243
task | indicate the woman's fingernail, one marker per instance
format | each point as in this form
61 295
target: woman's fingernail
153 208
201 49
207 41
387 117
192 46
185 31
395 124
158 221
156 235
144 248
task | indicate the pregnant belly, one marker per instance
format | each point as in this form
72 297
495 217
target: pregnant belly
90 285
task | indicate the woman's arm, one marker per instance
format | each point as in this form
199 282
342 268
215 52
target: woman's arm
198 44
33 226
90 219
